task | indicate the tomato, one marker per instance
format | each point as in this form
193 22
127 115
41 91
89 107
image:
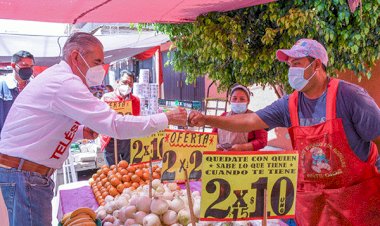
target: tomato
123 164
135 178
126 178
139 172
120 188
115 181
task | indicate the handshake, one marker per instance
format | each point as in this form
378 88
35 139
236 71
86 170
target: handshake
180 117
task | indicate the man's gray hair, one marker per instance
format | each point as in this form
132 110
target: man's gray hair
80 41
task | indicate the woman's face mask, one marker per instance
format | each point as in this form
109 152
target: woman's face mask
296 77
94 75
239 108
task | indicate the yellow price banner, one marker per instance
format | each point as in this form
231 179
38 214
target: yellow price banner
146 148
183 149
233 185
123 107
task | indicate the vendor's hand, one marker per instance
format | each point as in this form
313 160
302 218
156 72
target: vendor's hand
196 119
89 133
177 117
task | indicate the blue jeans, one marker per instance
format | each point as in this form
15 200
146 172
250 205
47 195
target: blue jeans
27 196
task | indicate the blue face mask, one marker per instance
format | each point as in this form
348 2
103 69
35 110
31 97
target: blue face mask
296 77
239 108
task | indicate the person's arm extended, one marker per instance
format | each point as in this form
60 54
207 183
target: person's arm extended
234 123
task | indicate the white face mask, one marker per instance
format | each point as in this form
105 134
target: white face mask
94 75
296 77
124 90
239 108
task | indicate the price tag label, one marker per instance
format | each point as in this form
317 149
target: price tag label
233 185
123 107
183 149
142 149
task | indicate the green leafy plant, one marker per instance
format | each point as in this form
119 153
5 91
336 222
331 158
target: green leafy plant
239 46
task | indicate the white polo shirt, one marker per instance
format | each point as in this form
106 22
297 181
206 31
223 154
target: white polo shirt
46 115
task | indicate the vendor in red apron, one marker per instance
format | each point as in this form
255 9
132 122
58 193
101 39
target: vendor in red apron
123 92
335 126
240 141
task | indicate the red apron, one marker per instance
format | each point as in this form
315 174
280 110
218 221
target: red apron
334 186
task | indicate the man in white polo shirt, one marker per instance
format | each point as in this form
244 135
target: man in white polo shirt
48 115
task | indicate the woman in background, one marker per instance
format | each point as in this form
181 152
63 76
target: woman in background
237 141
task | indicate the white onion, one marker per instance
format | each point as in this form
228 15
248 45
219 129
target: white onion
197 209
167 195
159 206
115 213
134 200
184 216
177 204
151 220
117 222
139 217
144 204
170 217
129 222
156 183
109 218
172 186
101 214
127 212
108 198
196 194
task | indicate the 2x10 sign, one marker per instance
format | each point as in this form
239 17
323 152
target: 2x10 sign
183 149
146 148
121 107
233 185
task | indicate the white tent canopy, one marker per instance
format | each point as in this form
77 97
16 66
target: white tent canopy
47 49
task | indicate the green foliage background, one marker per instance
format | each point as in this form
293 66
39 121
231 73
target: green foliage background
240 46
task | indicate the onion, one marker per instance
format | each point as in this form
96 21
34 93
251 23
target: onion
160 189
127 212
115 213
151 220
184 216
134 200
172 186
170 217
101 214
177 204
167 195
197 209
156 183
107 224
129 222
122 201
109 198
117 222
143 204
159 206
196 194
139 217
109 218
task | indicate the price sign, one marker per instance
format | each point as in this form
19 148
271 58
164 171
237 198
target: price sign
233 185
183 149
123 107
142 149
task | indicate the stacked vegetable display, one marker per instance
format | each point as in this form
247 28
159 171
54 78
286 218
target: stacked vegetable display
168 206
111 181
